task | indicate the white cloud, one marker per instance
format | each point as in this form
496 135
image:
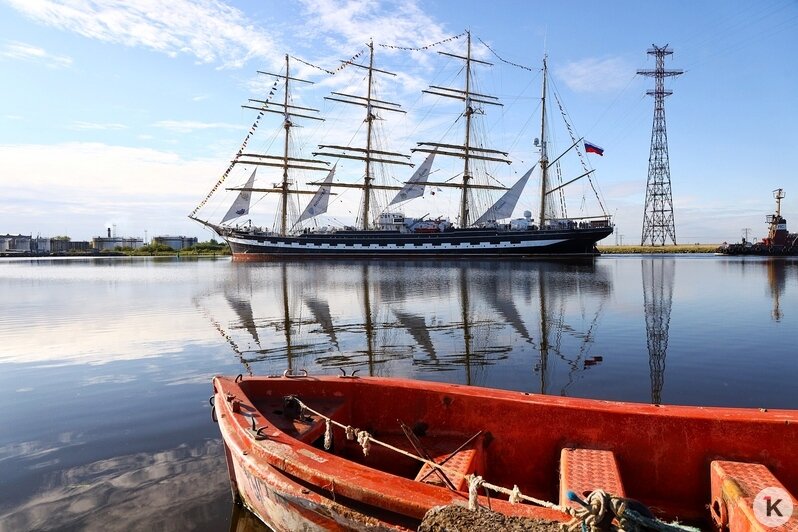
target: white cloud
357 21
84 126
210 30
116 170
80 185
21 51
346 26
187 126
596 75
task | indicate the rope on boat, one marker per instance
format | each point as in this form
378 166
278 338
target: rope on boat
474 482
364 438
327 434
590 517
600 509
515 495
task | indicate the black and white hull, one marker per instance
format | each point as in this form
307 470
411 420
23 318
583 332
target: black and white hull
483 243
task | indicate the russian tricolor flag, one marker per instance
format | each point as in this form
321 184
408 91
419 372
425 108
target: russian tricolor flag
592 148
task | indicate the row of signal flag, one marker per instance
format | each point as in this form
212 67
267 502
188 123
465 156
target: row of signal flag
240 151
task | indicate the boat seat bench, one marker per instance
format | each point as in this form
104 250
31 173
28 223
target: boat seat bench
465 462
735 485
309 429
586 470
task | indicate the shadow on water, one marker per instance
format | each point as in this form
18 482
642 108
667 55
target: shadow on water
415 318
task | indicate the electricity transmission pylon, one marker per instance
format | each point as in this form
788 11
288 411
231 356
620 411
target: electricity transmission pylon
658 221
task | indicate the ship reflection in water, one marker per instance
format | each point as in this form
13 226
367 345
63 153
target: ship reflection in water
107 364
533 322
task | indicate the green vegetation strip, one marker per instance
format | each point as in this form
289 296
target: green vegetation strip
693 248
211 247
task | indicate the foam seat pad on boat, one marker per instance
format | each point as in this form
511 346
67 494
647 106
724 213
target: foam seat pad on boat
585 470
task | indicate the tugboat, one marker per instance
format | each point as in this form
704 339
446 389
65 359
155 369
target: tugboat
779 242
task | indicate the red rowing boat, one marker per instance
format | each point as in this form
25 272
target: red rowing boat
348 453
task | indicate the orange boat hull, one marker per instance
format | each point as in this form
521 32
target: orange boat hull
660 455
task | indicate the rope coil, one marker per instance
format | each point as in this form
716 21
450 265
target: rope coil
600 509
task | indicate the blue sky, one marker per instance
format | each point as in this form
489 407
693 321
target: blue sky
127 113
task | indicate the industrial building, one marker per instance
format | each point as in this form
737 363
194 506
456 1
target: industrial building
175 242
15 243
110 243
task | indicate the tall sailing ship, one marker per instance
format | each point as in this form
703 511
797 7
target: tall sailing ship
382 228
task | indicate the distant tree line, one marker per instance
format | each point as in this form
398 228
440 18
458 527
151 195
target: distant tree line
211 247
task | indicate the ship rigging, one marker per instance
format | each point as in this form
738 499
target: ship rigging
382 229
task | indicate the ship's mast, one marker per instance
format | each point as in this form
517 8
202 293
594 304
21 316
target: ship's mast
465 151
544 158
369 123
464 207
368 154
285 161
775 219
287 125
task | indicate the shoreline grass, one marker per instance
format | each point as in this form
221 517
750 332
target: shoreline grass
688 248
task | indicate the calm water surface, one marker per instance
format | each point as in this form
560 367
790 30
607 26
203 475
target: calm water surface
105 365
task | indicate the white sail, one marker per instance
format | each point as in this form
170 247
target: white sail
318 204
414 188
240 206
504 207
